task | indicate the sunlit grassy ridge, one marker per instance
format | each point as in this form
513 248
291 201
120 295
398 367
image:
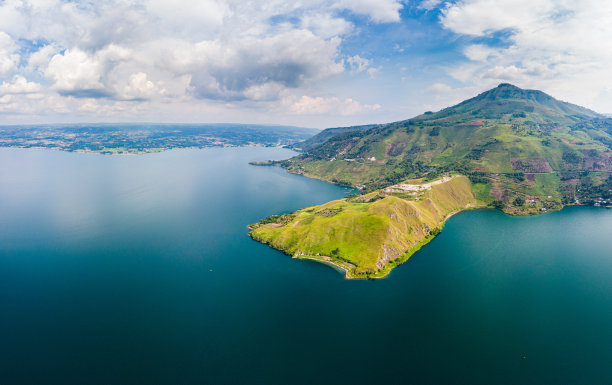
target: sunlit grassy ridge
368 236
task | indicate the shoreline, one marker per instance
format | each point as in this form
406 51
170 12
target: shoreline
322 259
350 270
142 152
349 273
391 265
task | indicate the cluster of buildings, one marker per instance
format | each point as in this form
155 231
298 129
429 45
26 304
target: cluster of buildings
603 202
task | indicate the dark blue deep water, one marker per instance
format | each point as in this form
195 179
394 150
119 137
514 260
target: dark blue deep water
139 270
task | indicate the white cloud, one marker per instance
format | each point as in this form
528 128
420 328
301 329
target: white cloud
358 64
139 87
75 71
429 4
9 59
232 72
477 17
439 88
480 52
78 73
40 58
307 105
384 11
373 72
444 95
325 25
560 46
266 91
192 53
188 19
19 85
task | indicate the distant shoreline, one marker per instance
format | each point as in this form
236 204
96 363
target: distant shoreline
146 151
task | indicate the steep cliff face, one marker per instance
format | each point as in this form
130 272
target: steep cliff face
369 235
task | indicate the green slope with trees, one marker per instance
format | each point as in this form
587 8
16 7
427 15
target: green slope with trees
523 145
521 151
367 236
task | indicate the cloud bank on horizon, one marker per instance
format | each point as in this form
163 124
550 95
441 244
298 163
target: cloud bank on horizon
316 63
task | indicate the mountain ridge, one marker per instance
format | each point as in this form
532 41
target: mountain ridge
502 131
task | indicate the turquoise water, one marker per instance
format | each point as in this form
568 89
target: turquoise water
138 269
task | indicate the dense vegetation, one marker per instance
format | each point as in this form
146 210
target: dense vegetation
326 134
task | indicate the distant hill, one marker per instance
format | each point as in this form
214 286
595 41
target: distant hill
326 134
120 138
517 142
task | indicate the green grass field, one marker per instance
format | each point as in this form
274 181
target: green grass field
368 236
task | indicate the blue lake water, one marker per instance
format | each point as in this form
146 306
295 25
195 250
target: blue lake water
138 269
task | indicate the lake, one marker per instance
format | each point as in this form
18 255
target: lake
139 269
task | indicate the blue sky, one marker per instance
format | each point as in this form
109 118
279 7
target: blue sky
317 63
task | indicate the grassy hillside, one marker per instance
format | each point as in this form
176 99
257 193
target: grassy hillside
521 145
368 235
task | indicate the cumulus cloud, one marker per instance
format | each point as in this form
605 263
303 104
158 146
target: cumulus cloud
192 18
325 25
80 74
19 85
440 88
377 10
75 71
429 4
358 64
40 59
307 105
188 51
444 95
288 59
9 59
563 47
139 87
476 17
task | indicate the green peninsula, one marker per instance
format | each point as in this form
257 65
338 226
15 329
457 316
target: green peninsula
521 151
368 235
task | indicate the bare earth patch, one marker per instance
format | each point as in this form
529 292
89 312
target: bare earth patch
498 193
570 182
538 166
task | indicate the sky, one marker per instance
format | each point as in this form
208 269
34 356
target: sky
311 63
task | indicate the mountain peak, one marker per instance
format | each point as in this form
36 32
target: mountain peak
509 94
509 91
507 85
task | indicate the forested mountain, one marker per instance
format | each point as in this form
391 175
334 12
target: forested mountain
517 143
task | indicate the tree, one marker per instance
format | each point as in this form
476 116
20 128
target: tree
519 201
